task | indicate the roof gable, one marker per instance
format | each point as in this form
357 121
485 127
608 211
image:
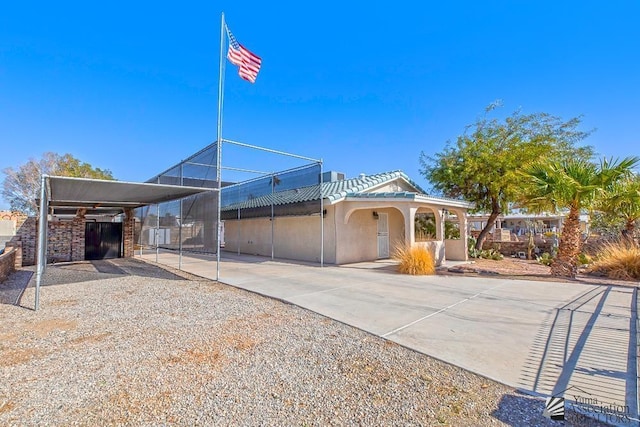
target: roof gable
381 182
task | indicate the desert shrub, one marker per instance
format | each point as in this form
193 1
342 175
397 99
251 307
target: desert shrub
471 244
491 254
618 260
584 259
416 260
545 259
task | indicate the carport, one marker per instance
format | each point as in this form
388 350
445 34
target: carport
65 194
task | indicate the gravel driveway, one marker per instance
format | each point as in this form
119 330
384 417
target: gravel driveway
125 342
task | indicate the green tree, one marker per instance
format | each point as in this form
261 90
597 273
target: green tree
21 186
481 166
573 184
622 202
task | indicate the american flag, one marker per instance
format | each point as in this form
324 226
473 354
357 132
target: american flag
248 63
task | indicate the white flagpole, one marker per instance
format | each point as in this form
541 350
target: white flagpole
219 142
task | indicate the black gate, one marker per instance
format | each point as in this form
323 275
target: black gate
102 240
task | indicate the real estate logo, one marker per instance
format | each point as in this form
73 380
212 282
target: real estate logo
554 408
590 407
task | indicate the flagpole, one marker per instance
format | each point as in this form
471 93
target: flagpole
219 142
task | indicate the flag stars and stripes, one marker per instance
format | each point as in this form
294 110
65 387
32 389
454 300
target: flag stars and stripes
247 62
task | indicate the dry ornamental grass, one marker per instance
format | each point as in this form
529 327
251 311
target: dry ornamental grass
618 260
416 260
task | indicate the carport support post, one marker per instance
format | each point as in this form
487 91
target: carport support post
157 230
273 184
42 239
181 222
321 218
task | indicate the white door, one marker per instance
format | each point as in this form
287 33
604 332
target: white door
383 235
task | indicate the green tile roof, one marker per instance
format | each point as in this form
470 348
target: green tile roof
332 191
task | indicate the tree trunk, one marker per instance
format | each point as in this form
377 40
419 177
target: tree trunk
629 229
483 234
566 263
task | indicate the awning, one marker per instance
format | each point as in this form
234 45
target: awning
110 196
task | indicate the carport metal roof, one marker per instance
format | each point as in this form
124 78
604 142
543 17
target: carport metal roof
97 196
66 192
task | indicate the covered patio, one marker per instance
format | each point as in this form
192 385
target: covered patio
394 216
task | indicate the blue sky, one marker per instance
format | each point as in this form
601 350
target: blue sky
132 86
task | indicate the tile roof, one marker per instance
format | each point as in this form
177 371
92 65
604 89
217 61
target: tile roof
332 191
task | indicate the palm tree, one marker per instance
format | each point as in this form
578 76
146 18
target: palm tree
623 200
571 184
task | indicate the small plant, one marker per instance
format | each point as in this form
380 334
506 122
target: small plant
471 244
414 260
545 259
474 253
618 260
491 254
584 259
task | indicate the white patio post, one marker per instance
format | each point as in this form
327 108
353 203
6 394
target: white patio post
409 214
464 231
440 215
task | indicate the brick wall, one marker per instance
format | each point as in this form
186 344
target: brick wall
7 264
511 248
65 240
16 245
26 236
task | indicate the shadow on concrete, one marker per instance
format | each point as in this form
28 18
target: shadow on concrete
386 266
561 347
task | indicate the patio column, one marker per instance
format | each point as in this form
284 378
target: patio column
409 214
439 214
464 232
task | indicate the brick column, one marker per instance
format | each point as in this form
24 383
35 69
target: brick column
77 238
128 233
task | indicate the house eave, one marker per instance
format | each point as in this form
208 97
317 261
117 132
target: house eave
419 198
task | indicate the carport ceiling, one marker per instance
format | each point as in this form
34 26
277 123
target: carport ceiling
105 195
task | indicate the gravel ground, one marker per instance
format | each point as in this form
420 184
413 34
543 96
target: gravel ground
123 342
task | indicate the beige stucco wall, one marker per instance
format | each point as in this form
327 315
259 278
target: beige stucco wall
296 237
358 239
456 249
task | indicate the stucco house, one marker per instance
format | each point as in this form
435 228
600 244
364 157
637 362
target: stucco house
363 219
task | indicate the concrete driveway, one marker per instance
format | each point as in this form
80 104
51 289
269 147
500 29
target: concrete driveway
541 337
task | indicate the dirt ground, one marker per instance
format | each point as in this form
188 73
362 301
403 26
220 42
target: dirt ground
525 270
